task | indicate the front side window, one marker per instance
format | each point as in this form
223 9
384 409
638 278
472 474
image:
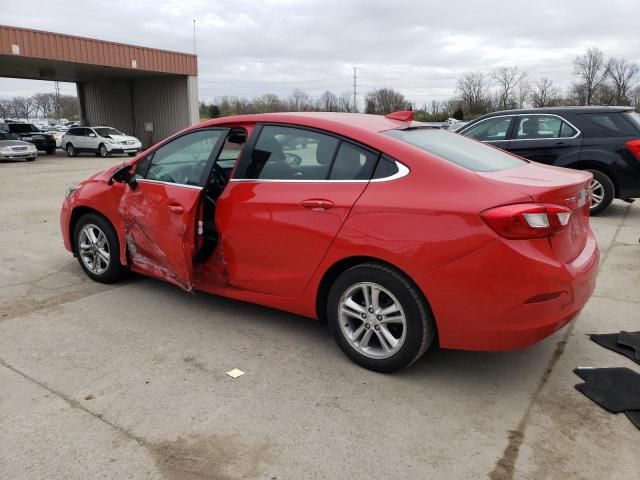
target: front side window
542 126
183 160
457 149
491 129
288 153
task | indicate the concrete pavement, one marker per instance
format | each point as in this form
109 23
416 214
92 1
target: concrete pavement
127 381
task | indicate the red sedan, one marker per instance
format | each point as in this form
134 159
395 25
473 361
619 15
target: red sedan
396 233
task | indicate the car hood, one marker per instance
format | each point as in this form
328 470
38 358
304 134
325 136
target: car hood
14 143
120 138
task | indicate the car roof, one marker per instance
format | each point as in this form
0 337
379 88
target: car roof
571 109
332 121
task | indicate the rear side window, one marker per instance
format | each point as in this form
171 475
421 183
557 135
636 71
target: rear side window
455 148
352 163
531 127
611 122
386 168
288 153
634 119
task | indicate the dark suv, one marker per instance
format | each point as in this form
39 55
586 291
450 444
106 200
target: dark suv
30 133
602 140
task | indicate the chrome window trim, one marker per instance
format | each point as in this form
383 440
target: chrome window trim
464 129
548 138
403 170
160 182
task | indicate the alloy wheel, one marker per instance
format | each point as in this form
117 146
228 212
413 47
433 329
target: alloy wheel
597 193
94 249
103 151
372 320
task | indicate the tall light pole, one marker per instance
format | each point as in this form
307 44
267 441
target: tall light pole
355 102
194 36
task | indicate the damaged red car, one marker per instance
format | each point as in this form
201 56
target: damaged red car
398 234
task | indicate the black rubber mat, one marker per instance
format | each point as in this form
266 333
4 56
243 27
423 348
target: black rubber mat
624 343
631 340
634 416
614 389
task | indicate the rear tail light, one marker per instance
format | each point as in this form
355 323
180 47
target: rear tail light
634 147
523 221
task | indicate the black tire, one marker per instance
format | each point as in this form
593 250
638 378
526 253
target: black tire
31 159
102 151
132 154
115 271
71 150
420 325
608 192
51 151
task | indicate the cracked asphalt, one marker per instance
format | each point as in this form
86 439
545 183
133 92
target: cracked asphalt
127 381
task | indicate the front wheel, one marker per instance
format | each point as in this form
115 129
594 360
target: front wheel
602 192
132 154
97 248
102 151
51 151
379 318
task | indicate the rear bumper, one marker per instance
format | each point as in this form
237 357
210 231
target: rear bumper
509 294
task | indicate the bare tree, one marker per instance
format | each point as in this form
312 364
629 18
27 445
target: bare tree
436 105
23 106
385 100
300 101
44 103
593 70
634 97
345 102
328 102
623 75
544 93
507 79
6 108
523 92
473 90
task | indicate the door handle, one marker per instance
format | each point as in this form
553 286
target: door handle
176 208
317 204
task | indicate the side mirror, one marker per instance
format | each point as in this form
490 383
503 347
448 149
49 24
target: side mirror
92 134
124 175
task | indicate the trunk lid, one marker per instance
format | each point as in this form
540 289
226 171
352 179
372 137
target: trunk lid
558 186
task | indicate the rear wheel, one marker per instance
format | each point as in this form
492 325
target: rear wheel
71 150
51 151
97 248
602 192
378 318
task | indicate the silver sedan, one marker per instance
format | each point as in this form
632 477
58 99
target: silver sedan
12 149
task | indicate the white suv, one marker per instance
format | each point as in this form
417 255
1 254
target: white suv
102 141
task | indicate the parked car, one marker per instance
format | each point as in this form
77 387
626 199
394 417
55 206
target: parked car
27 132
396 233
602 140
102 141
12 148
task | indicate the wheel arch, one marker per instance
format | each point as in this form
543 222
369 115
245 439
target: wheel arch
596 165
76 214
342 265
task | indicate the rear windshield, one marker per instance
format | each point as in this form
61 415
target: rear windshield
462 151
23 128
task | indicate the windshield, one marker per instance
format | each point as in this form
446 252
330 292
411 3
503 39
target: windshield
106 131
455 148
23 128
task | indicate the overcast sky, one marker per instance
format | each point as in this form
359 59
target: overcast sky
247 48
